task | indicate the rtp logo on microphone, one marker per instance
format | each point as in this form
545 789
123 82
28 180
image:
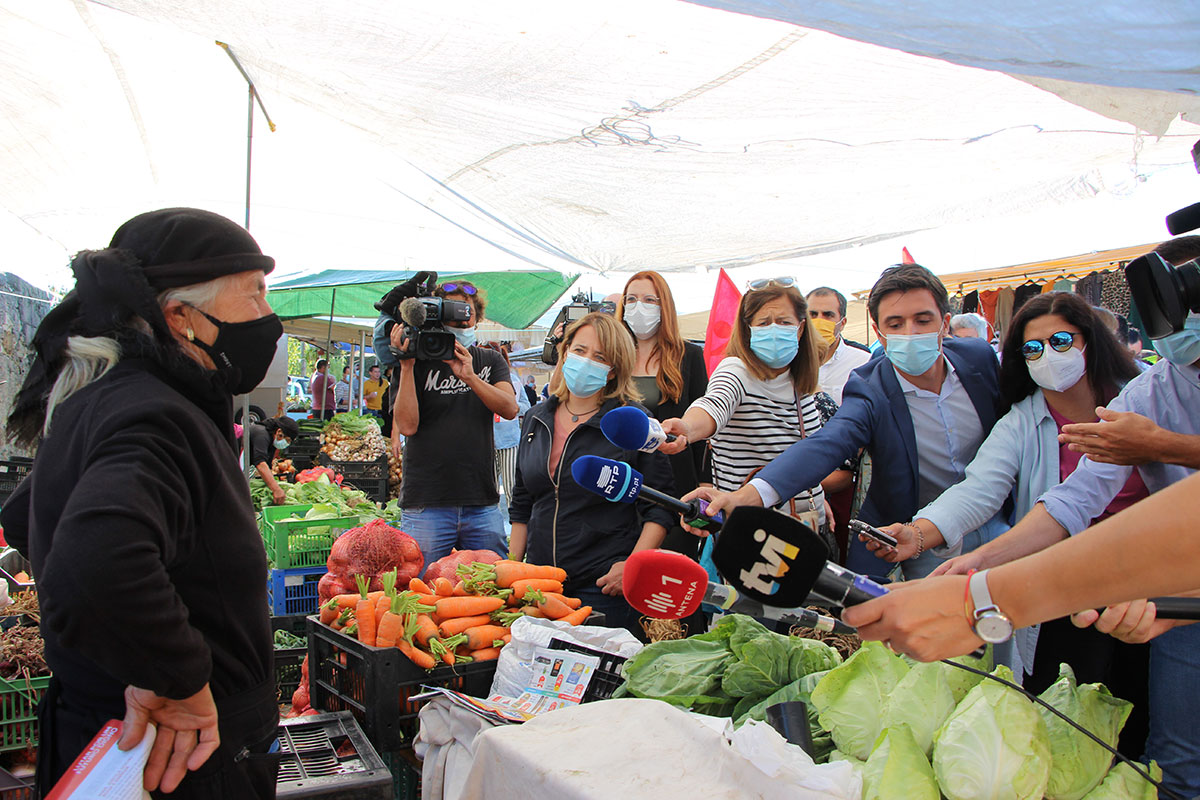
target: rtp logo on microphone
775 559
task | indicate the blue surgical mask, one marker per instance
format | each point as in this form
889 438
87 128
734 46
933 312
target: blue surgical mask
584 377
281 444
1182 348
913 354
465 336
775 345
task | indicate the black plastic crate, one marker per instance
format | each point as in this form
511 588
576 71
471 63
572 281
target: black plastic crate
13 788
289 661
406 773
377 683
328 756
357 471
607 676
303 450
14 471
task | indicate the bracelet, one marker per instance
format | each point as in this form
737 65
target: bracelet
920 538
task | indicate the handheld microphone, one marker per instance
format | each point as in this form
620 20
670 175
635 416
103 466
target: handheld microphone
618 482
412 311
1184 220
666 585
630 429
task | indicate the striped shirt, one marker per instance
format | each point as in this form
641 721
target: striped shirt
756 421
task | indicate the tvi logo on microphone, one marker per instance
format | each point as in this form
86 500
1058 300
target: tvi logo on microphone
774 560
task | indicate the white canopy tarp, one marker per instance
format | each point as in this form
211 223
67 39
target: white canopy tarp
472 135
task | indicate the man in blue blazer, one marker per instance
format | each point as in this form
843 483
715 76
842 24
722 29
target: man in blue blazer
921 407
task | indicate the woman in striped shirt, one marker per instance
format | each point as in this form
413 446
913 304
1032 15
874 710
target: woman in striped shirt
760 398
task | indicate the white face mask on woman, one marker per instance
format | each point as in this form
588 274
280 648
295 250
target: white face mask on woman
1057 372
643 319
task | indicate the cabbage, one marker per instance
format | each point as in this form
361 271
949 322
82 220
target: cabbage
1122 783
897 769
922 701
682 672
1077 763
962 681
993 747
850 699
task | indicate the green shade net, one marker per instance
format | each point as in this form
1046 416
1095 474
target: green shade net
514 299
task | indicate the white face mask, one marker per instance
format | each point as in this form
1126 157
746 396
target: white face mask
1057 372
643 319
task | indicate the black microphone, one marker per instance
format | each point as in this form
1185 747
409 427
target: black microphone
621 483
1184 220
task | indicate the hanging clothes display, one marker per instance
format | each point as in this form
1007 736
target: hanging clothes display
956 303
1004 310
987 305
970 303
1023 293
1114 292
1089 288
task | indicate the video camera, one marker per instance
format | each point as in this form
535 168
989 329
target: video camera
413 305
580 306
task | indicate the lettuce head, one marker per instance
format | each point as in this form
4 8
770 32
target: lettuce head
850 699
922 702
1077 763
897 769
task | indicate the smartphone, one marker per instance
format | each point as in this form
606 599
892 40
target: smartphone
858 526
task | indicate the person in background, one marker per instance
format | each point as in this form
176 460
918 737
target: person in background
150 569
374 390
341 392
554 519
531 390
669 374
921 412
321 389
968 325
1141 358
1060 362
507 434
444 411
267 441
761 398
827 315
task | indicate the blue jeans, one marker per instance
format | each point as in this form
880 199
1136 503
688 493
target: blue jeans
1174 740
440 529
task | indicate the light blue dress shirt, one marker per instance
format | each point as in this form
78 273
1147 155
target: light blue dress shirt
507 432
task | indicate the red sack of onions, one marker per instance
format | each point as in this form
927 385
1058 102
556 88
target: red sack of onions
371 550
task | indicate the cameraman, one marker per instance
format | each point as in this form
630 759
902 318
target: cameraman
445 409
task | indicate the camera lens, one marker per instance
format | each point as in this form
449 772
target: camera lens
1163 294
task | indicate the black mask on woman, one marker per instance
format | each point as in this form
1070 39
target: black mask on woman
243 351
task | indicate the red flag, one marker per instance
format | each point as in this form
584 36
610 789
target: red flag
906 257
721 318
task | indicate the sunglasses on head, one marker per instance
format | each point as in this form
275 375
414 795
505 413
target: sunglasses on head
762 283
465 288
1061 342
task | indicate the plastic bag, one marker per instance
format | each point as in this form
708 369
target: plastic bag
514 669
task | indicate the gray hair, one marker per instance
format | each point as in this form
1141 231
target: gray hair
89 358
970 321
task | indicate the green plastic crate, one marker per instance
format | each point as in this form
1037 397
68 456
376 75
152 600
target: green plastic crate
291 545
18 711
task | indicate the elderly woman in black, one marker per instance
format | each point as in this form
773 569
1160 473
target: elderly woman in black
151 574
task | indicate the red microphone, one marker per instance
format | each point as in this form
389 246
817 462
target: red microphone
663 584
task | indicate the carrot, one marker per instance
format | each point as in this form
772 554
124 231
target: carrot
512 601
429 599
506 617
343 619
532 611
577 616
427 630
399 623
419 586
443 587
552 607
456 625
364 612
508 571
389 629
416 655
460 590
329 612
520 587
375 595
572 602
348 600
389 589
468 606
444 648
486 654
484 636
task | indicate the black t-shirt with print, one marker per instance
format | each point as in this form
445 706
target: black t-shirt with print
449 460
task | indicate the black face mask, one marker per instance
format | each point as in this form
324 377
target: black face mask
243 351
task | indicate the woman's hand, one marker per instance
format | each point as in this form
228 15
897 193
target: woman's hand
1134 622
185 738
960 565
721 501
610 582
906 543
679 428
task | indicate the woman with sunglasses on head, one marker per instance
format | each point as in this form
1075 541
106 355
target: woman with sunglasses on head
761 398
554 519
1059 363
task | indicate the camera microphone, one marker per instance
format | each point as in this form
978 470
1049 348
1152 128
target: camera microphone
412 311
1184 220
630 429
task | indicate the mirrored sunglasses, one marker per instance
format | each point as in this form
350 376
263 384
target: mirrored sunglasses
1061 342
465 288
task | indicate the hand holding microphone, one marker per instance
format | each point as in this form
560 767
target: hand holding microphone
618 482
631 429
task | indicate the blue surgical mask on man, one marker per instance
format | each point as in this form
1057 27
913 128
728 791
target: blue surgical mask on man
1183 347
775 345
281 444
584 377
914 353
465 336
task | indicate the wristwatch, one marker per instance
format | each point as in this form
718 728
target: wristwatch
988 621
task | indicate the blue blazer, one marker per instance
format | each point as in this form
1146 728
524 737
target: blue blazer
875 416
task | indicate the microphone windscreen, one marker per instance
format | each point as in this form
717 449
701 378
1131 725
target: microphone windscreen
1184 220
612 480
626 427
663 584
769 557
412 311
